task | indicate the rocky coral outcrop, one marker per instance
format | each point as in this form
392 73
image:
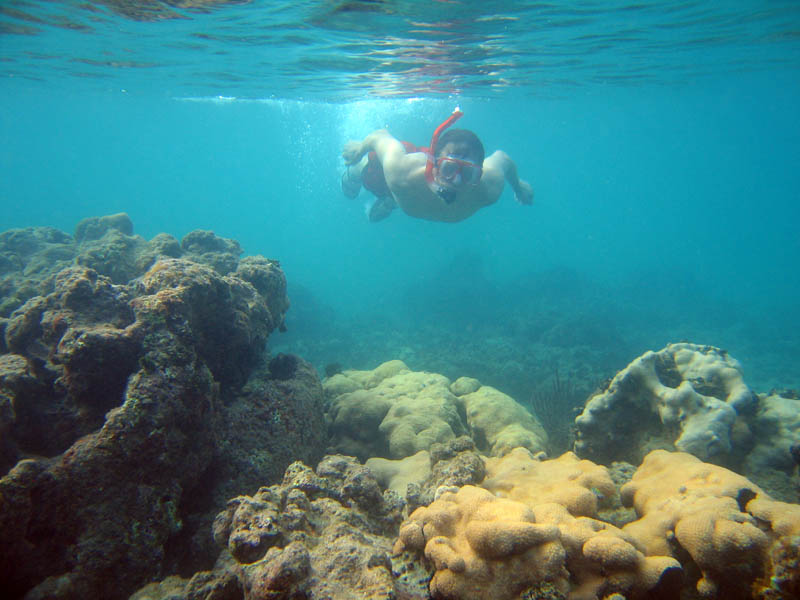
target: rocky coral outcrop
122 406
323 533
28 257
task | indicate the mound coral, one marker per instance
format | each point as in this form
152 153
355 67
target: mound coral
498 423
482 546
576 484
394 412
724 522
685 397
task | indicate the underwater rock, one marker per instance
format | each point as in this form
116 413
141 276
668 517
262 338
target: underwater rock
283 366
28 258
228 320
78 351
205 585
122 411
265 426
109 246
266 276
94 228
205 247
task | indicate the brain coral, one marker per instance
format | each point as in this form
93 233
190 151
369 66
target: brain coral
684 397
725 523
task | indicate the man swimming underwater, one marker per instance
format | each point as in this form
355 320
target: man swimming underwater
448 182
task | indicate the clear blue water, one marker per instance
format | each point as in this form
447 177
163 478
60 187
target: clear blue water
662 140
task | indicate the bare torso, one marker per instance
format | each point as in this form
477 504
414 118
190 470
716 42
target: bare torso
405 176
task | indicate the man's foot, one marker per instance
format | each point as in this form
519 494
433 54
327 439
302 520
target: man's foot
381 208
350 185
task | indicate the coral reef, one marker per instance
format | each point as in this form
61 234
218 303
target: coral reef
397 475
137 397
702 531
124 413
417 478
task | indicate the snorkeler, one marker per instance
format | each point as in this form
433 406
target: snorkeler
448 182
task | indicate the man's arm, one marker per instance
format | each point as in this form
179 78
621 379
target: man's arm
499 160
381 141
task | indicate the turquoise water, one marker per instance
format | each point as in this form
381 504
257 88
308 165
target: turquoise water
662 141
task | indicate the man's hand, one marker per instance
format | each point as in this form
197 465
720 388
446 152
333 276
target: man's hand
524 193
352 153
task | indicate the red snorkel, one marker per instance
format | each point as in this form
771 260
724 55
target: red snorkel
457 114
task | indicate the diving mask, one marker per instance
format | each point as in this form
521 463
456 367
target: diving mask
456 171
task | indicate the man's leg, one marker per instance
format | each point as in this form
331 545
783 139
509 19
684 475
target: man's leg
381 208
